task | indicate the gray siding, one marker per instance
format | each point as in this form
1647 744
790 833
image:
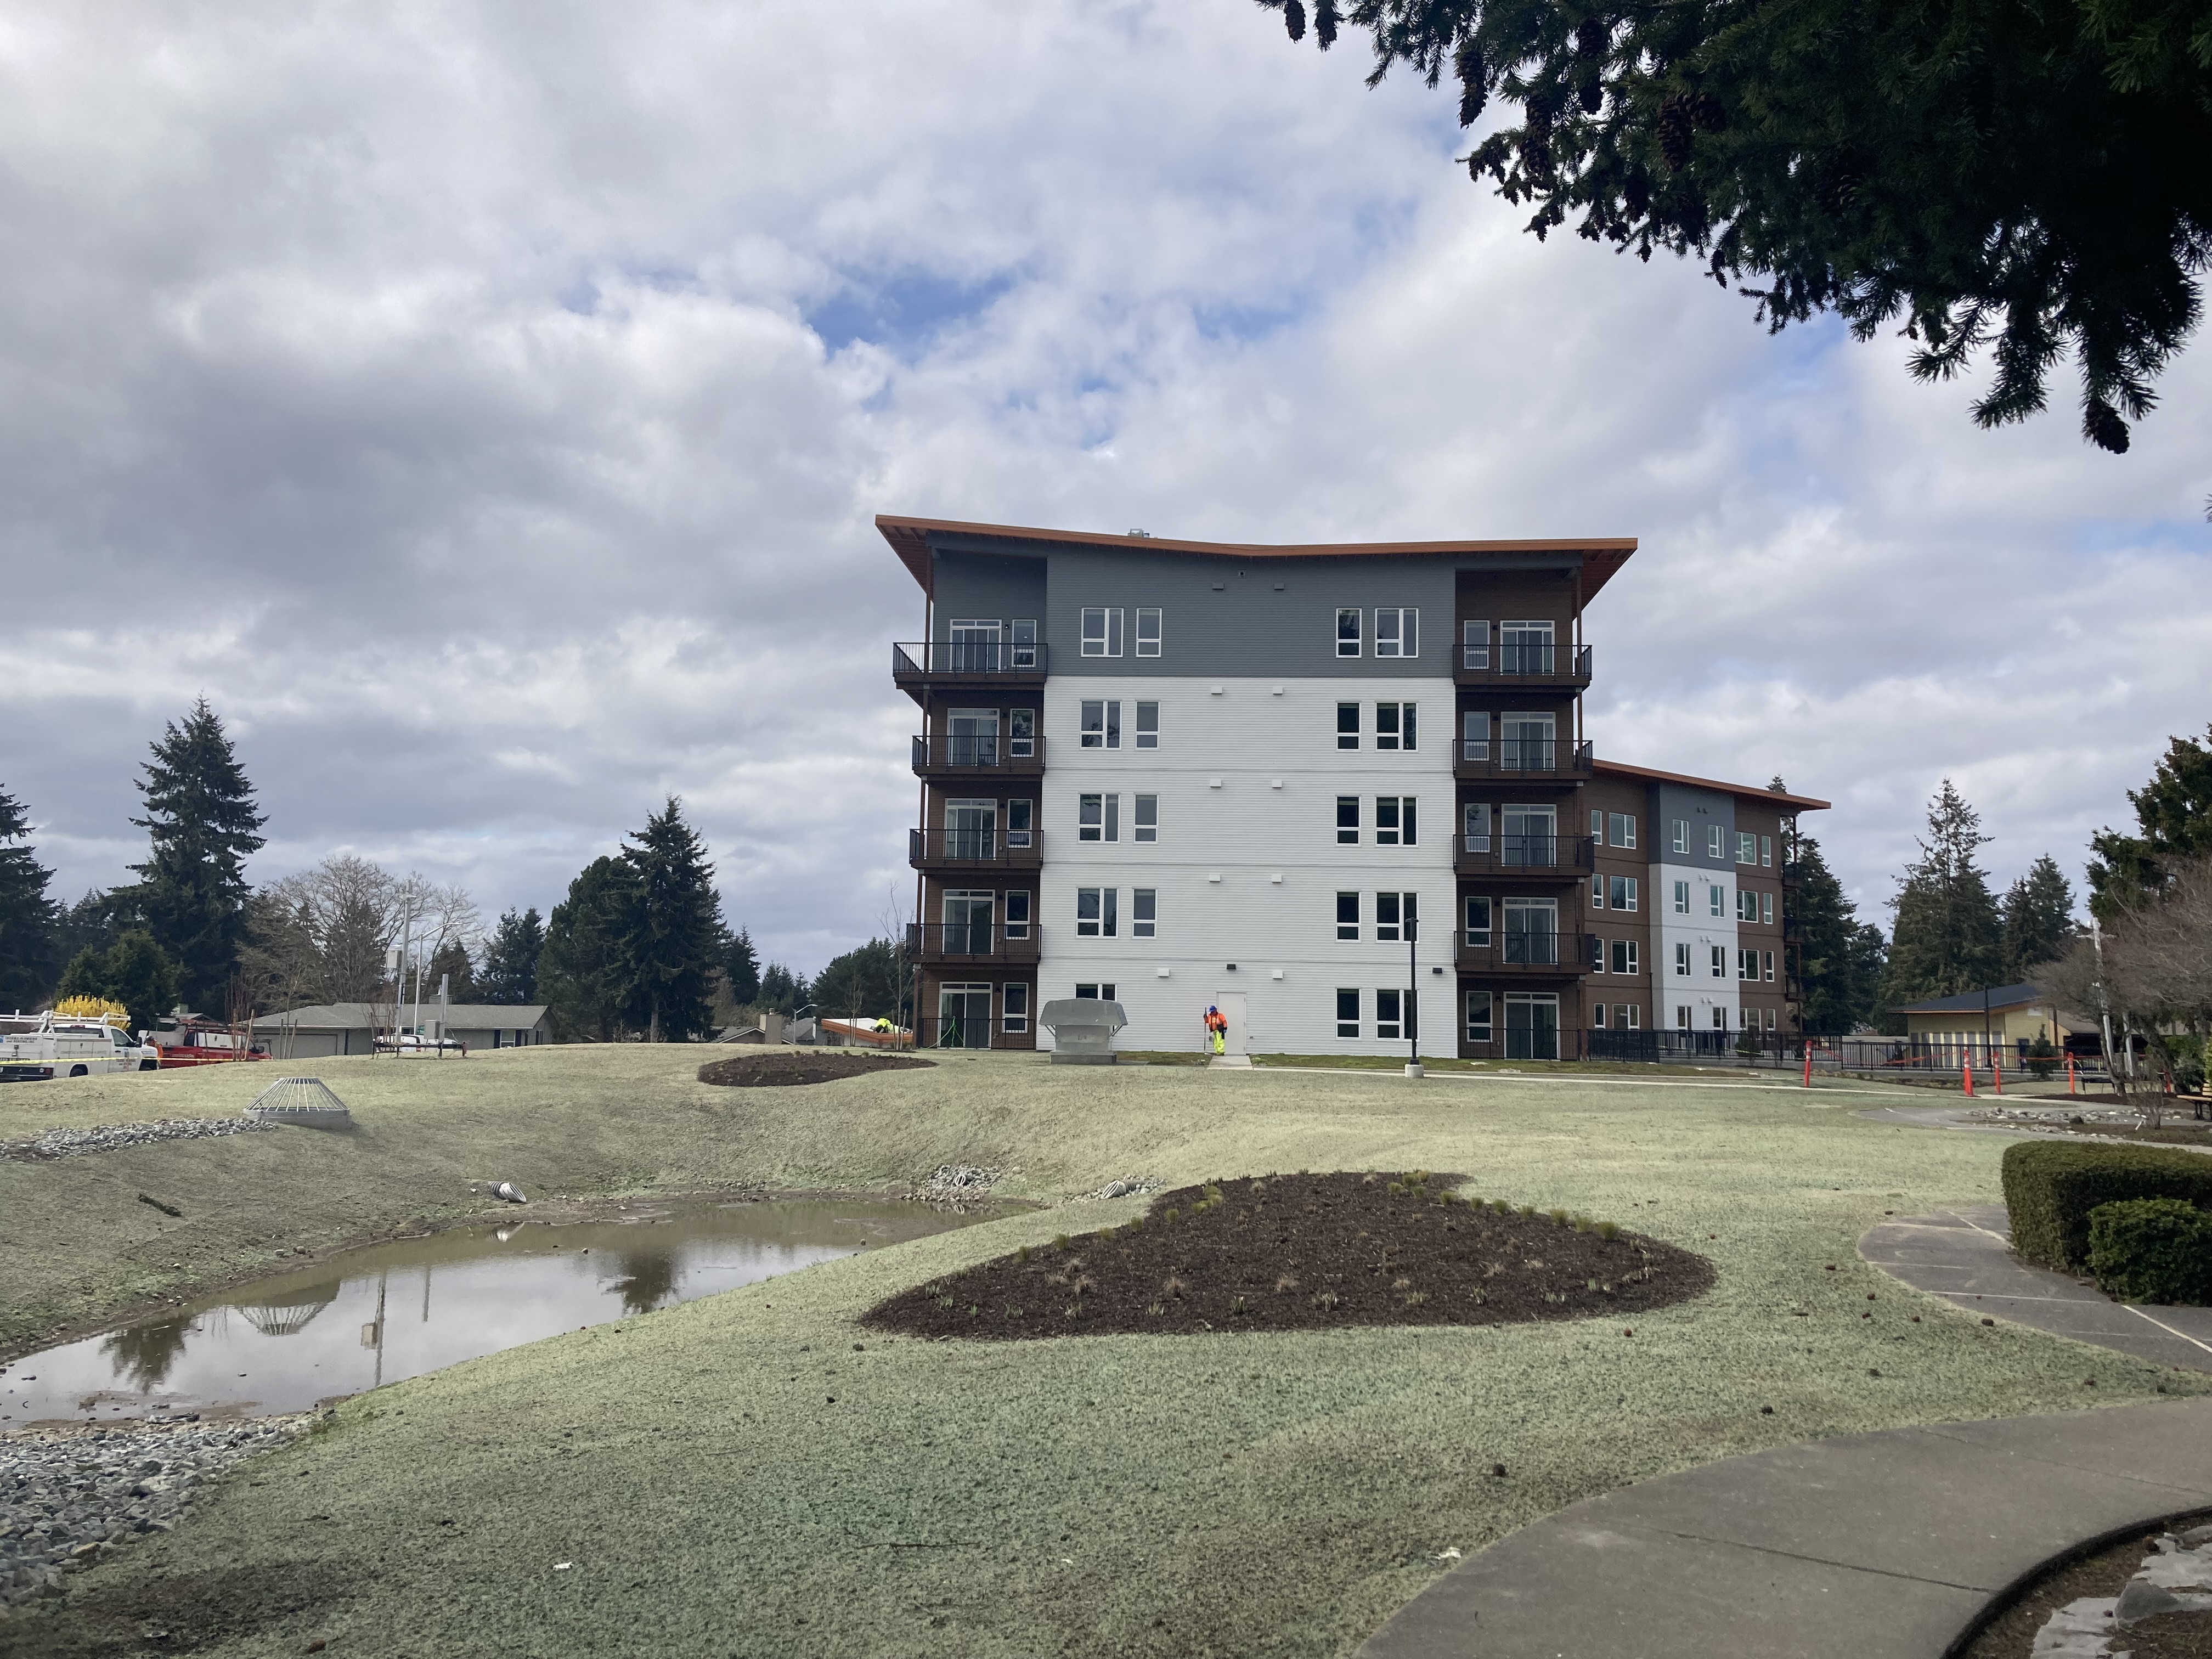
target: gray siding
1700 808
987 584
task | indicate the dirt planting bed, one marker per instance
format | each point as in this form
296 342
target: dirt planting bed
1307 1252
772 1068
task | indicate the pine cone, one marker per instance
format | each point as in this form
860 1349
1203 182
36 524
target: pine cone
1294 18
1636 195
2102 426
1591 37
1325 23
1474 91
1675 130
1706 110
1839 192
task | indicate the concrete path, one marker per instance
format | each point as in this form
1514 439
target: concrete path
1861 1548
1966 1257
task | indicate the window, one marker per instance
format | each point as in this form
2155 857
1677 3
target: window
1393 726
1625 894
1102 631
1525 742
1682 835
1720 962
1532 1025
1148 725
1347 915
1477 923
1347 1013
1387 1003
1720 1019
1393 821
1144 912
1713 834
1393 909
1597 892
1474 734
1682 959
1474 823
1767 909
1347 726
1620 829
1771 1013
1113 817
1628 957
1524 647
1627 1015
1347 819
1766 971
1014 1006
1091 816
1089 912
1681 898
1475 645
1682 1016
1532 932
1746 905
1026 642
1746 846
973 643
1596 955
1099 992
1597 826
1597 1015
1017 915
1021 730
1148 630
1102 723
1347 631
1021 821
1148 818
1479 1027
1747 964
1766 851
1717 899
1397 632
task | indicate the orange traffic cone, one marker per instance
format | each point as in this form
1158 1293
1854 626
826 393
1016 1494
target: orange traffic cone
1967 1071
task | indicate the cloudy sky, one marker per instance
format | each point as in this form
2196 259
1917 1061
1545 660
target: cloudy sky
485 407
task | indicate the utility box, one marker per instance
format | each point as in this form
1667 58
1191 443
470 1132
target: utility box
1081 1029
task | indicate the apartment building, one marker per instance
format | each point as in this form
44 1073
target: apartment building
1329 790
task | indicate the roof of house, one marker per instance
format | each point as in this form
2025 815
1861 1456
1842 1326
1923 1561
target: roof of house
1749 791
1970 1002
360 1016
1600 555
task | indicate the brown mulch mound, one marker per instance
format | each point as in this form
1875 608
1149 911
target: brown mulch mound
772 1068
2011 1634
1307 1252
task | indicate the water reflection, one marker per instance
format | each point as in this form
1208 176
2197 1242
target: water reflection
401 1309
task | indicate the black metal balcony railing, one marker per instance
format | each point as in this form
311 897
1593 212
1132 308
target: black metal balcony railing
953 1032
1499 853
977 848
957 659
1522 758
979 942
1524 664
1520 950
1008 757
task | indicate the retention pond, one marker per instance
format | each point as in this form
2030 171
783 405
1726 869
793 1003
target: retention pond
388 1311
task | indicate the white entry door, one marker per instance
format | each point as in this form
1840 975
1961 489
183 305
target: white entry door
1231 1004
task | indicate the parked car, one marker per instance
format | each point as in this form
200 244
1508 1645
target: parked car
65 1047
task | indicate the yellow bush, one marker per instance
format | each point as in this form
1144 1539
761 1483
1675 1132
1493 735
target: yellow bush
102 1008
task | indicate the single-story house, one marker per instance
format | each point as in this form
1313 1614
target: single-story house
352 1027
1954 1026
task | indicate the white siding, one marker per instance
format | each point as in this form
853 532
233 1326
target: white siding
1249 831
1701 931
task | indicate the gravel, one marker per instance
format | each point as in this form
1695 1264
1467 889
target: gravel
68 1495
113 1137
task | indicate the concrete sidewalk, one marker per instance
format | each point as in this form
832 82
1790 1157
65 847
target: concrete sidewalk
1860 1547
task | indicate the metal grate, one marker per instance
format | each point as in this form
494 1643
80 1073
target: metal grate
297 1096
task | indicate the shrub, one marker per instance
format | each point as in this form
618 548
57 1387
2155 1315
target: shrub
1608 1229
2152 1249
2050 1189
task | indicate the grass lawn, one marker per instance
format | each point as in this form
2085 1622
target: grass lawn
735 1476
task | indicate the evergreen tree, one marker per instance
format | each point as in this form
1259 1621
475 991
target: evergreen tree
2174 813
93 923
30 921
510 969
868 983
671 949
201 818
781 990
741 968
579 974
133 971
1948 937
452 960
1833 962
2039 918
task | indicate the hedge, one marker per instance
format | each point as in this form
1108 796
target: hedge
2050 1187
2152 1249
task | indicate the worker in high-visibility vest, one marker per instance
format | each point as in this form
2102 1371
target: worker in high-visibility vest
1217 1023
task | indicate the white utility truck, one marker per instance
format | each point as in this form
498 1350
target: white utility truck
62 1045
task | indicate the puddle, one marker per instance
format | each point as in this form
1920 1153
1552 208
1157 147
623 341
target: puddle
389 1311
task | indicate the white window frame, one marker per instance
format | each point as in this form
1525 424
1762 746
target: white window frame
1091 817
1716 898
1746 905
1474 825
1620 829
1342 992
1597 1016
1021 822
1718 961
1470 746
1348 645
1479 934
1013 1018
1148 725
1766 852
1597 892
1348 834
1144 912
1630 951
1404 640
1682 1016
1746 846
1767 909
1347 738
1024 650
1485 1029
1475 645
1148 630
1627 893
1341 924
1404 830
1681 898
1105 638
1767 967
1391 1029
1628 1016
1682 835
1090 913
1144 817
1682 960
1018 927
1715 841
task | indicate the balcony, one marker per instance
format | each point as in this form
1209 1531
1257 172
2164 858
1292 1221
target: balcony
970 852
969 944
1525 955
1523 760
1544 667
921 667
1524 858
956 756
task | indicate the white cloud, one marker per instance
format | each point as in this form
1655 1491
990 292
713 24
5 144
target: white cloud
485 405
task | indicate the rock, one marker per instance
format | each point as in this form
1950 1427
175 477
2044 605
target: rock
2141 1601
2196 1537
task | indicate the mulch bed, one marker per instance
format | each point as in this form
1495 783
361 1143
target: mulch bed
774 1068
1308 1252
2011 1634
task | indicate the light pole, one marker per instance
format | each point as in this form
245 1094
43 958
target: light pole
1412 991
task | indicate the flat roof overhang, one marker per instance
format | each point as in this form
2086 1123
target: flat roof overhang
914 539
1746 791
